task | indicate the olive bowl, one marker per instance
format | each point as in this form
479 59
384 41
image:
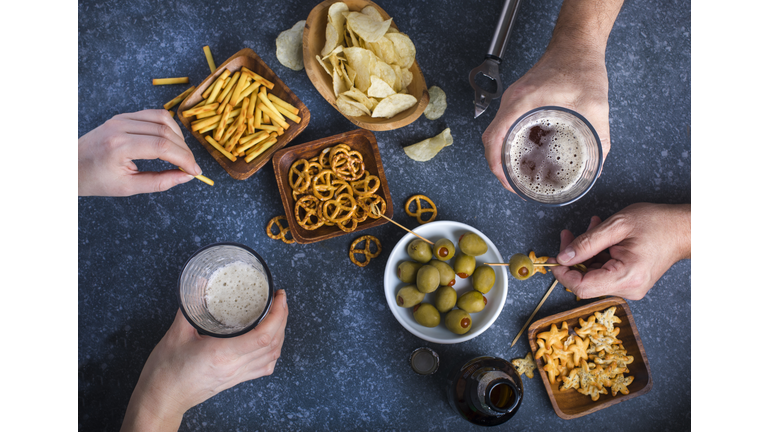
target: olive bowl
481 321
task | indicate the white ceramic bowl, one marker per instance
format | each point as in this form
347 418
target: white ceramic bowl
481 321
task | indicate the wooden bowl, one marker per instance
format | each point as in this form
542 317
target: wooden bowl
360 140
570 404
241 170
314 40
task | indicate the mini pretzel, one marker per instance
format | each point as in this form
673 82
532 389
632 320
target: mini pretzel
306 212
347 166
375 206
339 209
283 231
365 251
348 225
297 176
322 185
419 210
342 187
364 187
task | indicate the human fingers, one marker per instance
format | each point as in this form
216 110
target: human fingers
150 181
155 116
606 234
262 336
160 147
264 364
563 274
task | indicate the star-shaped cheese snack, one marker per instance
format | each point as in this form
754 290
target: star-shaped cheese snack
525 365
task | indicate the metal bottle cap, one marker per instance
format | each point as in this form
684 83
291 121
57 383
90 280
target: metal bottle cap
424 361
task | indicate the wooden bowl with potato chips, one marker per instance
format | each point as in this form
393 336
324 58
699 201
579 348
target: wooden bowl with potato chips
363 66
569 403
247 58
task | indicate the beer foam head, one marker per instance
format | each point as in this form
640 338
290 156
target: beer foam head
237 294
547 156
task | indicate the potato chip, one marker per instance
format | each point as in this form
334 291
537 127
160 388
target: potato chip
373 13
427 149
360 59
394 104
385 72
355 94
332 39
379 88
437 103
349 102
339 85
404 48
289 47
325 64
407 78
347 108
369 29
337 19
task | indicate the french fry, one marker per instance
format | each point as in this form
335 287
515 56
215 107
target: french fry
259 150
263 97
274 117
247 92
256 77
175 101
223 77
214 93
271 128
241 83
201 177
223 122
207 113
199 124
199 110
236 137
209 57
166 81
216 145
257 137
256 116
228 88
172 113
277 101
288 114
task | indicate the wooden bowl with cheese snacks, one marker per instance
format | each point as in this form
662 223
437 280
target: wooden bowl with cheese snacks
570 404
314 43
244 166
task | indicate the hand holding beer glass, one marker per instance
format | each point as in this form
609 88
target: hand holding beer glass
186 368
571 74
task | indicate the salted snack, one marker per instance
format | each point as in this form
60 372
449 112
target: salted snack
591 361
368 251
420 210
437 103
368 61
538 260
425 150
289 49
520 266
239 117
525 366
283 231
334 189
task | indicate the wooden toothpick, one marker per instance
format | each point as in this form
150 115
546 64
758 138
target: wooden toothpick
375 210
549 291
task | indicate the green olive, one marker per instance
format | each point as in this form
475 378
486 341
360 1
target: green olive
443 249
427 279
426 315
472 301
464 265
420 251
409 296
406 271
445 298
458 321
520 266
447 275
483 278
471 244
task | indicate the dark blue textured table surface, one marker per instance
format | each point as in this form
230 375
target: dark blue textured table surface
344 362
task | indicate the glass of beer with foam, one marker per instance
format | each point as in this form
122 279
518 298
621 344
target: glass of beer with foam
225 290
552 156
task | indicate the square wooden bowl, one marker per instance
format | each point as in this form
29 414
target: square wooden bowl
361 140
241 170
570 404
313 42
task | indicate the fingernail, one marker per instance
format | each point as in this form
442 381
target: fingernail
184 179
198 171
567 255
283 298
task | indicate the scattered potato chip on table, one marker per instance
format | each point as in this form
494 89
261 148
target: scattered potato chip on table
289 50
427 149
437 103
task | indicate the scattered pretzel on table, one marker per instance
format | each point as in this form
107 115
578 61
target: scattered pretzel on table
365 251
421 210
283 231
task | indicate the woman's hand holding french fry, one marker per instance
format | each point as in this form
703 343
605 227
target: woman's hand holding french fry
106 155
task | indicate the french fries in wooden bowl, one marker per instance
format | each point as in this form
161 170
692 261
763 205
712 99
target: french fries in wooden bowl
243 113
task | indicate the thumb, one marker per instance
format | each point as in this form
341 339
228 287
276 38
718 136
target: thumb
592 242
147 182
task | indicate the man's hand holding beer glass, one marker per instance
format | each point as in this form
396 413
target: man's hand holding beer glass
570 74
627 253
186 369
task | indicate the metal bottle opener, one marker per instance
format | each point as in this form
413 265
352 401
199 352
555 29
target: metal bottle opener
490 67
